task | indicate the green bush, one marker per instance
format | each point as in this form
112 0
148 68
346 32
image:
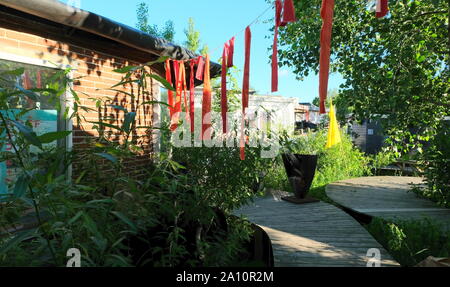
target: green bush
103 214
410 242
381 159
276 178
436 167
339 162
225 180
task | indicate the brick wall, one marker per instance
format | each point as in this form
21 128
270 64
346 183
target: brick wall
93 73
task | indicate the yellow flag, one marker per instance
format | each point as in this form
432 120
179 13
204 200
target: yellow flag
334 135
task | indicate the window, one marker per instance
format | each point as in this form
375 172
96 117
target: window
44 112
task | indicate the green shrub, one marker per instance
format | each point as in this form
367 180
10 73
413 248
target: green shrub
381 159
410 242
225 180
436 167
339 162
276 178
101 213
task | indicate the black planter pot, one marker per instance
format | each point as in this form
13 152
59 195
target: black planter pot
300 169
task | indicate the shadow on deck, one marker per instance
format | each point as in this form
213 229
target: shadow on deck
314 234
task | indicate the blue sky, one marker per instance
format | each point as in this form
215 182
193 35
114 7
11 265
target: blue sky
218 21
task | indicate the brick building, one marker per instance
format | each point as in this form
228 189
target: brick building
44 36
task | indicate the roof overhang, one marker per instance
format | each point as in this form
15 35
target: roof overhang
58 12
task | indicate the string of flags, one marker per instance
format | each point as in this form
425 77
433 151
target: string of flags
284 13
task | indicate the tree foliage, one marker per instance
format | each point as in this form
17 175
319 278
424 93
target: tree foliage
396 69
143 24
192 36
193 39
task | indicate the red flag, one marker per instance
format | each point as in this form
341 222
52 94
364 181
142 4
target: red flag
278 7
382 8
245 87
326 13
223 91
192 94
179 90
169 92
200 68
288 13
230 53
183 82
206 102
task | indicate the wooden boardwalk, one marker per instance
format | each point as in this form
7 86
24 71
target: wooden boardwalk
386 197
313 234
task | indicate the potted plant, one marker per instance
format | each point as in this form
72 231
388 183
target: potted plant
300 162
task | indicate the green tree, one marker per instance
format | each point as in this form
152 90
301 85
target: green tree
143 24
193 39
168 31
192 36
396 69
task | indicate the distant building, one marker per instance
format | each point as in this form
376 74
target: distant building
368 136
307 112
281 109
307 116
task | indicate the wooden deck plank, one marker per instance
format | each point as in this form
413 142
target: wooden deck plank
313 234
387 197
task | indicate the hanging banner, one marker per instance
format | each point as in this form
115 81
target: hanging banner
206 102
170 101
192 94
223 85
245 88
278 7
230 53
326 13
182 77
334 135
200 68
284 14
178 94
